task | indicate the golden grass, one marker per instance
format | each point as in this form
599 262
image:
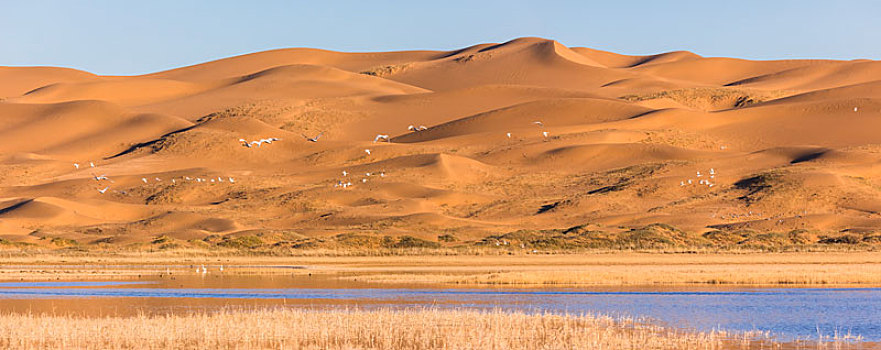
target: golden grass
348 329
856 268
650 275
712 98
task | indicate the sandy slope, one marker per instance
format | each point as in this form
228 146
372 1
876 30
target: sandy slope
791 145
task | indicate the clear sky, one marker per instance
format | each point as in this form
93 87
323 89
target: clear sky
132 37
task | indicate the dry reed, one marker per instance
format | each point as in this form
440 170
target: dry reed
346 329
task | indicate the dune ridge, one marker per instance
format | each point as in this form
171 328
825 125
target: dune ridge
500 145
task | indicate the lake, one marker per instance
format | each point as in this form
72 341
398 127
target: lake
788 313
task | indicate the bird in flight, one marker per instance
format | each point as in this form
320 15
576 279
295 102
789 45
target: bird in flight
381 137
313 139
540 124
509 135
545 133
76 165
104 190
269 140
245 143
417 128
367 151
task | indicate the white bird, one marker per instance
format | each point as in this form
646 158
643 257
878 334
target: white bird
245 143
256 143
689 181
681 183
232 181
219 179
539 123
100 177
364 180
173 182
212 180
221 268
712 171
204 270
367 151
188 178
698 174
509 135
709 184
345 173
313 139
75 165
92 164
701 182
104 190
144 179
855 109
417 128
381 137
381 174
545 133
158 179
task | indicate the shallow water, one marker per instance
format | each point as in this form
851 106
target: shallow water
789 313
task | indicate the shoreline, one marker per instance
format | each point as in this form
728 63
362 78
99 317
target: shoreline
775 269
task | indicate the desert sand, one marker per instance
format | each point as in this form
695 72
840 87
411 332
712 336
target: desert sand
522 139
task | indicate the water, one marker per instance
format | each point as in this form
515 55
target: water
788 313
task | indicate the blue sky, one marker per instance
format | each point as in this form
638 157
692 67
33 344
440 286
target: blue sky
128 37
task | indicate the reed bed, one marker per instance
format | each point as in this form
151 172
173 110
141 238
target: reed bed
857 268
735 274
284 328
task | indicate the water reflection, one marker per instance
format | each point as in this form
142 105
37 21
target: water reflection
787 312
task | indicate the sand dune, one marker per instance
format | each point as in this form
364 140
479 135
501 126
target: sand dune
19 80
709 145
